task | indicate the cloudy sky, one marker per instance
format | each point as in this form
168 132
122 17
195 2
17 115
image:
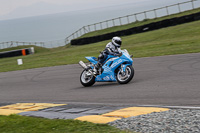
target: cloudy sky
23 8
10 9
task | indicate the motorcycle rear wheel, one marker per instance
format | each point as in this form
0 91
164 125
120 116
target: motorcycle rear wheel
124 79
86 79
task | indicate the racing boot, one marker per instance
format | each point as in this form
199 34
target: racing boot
97 67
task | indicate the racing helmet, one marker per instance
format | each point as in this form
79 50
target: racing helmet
117 41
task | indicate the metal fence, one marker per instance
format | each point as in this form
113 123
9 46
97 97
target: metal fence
48 44
55 43
150 14
16 43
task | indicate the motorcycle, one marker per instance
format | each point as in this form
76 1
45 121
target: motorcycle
115 69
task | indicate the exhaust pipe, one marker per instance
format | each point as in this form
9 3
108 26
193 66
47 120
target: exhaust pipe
82 64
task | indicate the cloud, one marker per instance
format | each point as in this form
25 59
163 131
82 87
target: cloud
8 6
23 8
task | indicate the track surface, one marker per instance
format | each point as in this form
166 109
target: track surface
165 80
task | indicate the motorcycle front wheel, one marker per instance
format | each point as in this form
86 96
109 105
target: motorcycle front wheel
124 78
87 79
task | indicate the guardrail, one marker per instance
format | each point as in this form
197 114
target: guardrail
155 13
16 43
48 44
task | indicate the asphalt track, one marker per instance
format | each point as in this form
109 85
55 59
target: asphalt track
164 81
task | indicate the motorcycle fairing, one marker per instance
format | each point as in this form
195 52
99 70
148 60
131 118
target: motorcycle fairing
93 60
109 70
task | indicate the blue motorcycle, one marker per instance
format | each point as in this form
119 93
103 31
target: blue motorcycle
115 68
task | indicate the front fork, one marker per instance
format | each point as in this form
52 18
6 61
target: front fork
123 69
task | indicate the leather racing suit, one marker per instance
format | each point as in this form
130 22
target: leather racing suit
109 50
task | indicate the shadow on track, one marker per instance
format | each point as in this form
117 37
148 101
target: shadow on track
99 85
105 84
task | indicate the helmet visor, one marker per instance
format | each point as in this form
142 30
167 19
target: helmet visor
119 42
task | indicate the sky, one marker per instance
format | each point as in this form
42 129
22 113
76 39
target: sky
66 12
10 9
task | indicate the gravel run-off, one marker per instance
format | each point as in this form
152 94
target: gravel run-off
172 121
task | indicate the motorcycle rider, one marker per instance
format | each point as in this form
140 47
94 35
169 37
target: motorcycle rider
112 48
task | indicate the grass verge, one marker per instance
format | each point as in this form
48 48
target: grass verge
23 124
179 39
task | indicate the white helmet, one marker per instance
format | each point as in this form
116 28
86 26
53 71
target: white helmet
117 41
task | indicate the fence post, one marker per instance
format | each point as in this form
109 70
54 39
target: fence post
77 34
66 41
128 19
11 43
167 10
179 8
155 13
113 22
145 15
95 28
84 29
135 17
120 21
192 4
107 23
88 28
101 25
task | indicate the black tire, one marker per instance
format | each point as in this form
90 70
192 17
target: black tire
128 68
87 83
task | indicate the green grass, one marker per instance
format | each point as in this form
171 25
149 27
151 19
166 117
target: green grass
138 23
179 39
23 124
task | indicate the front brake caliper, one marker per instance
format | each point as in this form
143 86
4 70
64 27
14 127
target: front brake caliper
123 69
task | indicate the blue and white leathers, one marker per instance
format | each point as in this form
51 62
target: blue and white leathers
112 65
